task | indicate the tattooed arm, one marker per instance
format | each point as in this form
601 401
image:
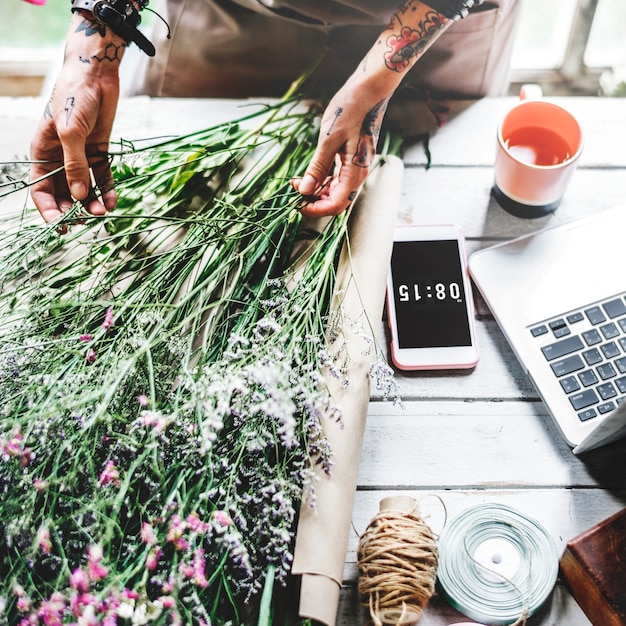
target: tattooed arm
351 123
76 124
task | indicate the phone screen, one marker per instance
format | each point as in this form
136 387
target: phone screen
429 294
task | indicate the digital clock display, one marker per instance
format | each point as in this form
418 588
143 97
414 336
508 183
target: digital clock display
429 294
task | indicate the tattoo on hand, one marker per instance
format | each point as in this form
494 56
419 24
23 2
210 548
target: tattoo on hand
370 130
410 43
69 108
338 112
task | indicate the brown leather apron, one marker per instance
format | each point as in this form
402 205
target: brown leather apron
247 48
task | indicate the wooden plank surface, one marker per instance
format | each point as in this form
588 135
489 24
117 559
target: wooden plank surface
460 438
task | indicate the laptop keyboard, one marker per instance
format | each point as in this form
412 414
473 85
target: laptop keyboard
586 350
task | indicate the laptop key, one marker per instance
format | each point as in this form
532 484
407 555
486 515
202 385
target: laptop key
537 331
610 350
606 371
587 415
606 407
562 347
594 315
621 384
609 330
584 399
567 365
575 317
606 391
614 308
592 356
569 384
592 337
621 364
588 378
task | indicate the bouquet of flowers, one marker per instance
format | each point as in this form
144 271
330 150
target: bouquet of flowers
163 403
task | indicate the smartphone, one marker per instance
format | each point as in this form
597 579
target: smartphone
429 300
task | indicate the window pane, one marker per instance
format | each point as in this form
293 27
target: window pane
607 41
543 33
27 25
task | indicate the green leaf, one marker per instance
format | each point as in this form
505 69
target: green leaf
265 612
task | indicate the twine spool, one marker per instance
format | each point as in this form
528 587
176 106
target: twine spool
496 565
397 558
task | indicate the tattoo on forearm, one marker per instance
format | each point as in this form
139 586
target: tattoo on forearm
370 129
410 43
69 108
112 52
91 27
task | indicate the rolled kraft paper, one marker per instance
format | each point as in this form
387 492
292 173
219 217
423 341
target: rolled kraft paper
322 534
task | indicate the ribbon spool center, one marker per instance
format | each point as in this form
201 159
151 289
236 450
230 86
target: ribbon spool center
497 560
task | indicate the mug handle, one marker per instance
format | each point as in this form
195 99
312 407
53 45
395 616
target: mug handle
530 91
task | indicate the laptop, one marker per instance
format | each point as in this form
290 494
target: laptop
559 296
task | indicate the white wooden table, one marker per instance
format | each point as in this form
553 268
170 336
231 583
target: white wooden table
466 437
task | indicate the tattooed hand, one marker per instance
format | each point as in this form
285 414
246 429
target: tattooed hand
76 126
351 123
345 150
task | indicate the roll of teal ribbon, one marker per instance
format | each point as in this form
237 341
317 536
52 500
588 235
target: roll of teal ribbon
496 565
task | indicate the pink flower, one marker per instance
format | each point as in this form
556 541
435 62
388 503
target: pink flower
222 518
175 532
154 419
13 446
130 594
186 570
27 457
51 610
196 524
86 338
96 570
147 534
40 485
110 475
91 356
142 399
43 539
152 560
79 580
167 601
108 319
80 602
199 567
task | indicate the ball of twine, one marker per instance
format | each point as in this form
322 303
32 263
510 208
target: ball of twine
397 557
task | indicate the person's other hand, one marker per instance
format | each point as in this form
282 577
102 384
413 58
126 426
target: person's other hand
345 150
76 126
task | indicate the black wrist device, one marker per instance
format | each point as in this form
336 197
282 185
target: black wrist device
452 9
121 16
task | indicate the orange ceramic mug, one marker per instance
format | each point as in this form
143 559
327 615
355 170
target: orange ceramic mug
539 144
